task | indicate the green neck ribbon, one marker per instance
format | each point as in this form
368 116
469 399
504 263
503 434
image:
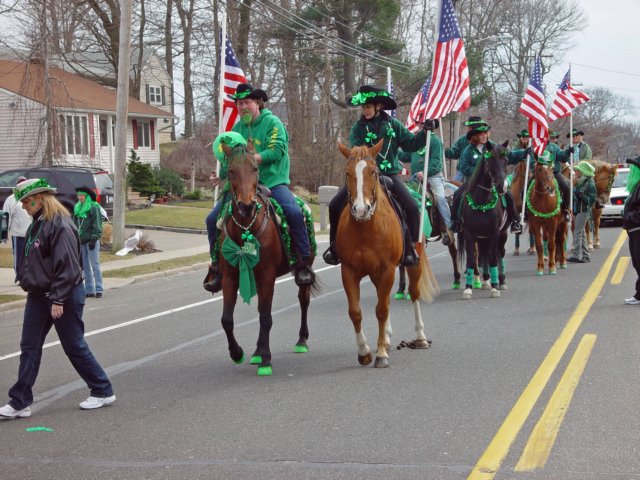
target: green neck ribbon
245 259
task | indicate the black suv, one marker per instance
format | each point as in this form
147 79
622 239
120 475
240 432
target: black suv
65 180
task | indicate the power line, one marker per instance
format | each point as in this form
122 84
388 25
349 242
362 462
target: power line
606 70
305 24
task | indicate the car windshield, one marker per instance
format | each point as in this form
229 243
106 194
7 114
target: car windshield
621 179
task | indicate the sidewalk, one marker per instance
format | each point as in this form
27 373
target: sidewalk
172 244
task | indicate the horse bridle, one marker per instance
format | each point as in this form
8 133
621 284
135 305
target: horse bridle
374 196
247 228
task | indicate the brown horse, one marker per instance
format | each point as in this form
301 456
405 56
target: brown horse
546 221
369 241
603 178
248 228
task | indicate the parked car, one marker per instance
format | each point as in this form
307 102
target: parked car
613 209
65 180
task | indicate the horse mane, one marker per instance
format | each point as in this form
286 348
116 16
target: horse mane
599 164
238 154
476 172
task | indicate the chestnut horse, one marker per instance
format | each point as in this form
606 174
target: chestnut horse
546 221
250 227
369 242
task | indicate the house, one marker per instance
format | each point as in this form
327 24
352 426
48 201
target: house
155 82
77 114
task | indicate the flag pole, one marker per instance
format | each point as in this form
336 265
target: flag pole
444 158
223 45
571 158
526 180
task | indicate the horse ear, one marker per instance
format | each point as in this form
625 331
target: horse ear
376 148
506 144
225 148
346 151
250 147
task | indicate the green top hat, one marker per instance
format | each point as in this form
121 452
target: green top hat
575 132
31 187
479 128
370 94
245 90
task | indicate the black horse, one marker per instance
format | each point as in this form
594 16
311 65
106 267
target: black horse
484 220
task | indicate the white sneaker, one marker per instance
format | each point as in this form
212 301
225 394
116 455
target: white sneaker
92 403
8 412
632 301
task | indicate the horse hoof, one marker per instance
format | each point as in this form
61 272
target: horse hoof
399 296
381 362
238 360
255 360
467 294
365 360
407 296
553 272
563 266
516 253
423 344
265 371
495 293
503 286
455 286
477 284
539 272
596 245
485 286
300 348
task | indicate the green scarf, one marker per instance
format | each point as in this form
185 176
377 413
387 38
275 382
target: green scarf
81 209
245 259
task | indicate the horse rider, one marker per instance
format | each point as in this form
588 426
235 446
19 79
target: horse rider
584 196
580 150
558 157
375 125
478 141
270 140
435 178
554 137
460 144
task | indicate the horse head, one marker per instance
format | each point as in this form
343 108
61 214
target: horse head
543 176
362 179
603 178
243 178
494 165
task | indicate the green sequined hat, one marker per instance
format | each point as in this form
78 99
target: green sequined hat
245 90
232 139
585 168
370 94
31 187
545 159
473 121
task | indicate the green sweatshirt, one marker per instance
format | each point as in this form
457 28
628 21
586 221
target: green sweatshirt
584 195
382 126
417 158
271 141
456 150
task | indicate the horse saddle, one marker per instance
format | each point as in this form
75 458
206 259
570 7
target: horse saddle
387 185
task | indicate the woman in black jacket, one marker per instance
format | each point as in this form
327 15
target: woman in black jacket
631 222
51 273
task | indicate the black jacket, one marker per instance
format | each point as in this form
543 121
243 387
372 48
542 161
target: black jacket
631 212
52 264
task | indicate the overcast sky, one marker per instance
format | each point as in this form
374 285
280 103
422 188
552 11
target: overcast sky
607 52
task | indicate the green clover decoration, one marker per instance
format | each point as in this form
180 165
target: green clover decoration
385 165
371 137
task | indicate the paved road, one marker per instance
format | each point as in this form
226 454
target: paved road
466 408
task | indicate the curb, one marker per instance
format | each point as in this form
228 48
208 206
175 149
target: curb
195 231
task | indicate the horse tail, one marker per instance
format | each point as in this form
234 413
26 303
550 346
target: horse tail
461 247
428 285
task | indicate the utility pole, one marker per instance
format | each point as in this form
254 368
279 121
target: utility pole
122 107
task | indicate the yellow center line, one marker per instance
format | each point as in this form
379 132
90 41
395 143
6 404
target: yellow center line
536 452
490 461
623 263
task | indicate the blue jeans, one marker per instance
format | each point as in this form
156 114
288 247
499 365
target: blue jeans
295 218
91 268
70 328
210 222
436 182
459 177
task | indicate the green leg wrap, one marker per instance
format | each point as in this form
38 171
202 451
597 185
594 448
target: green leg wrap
494 275
469 276
545 248
501 266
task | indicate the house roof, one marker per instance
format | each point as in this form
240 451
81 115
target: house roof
68 90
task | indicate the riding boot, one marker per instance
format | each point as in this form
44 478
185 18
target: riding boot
213 281
410 256
303 273
330 256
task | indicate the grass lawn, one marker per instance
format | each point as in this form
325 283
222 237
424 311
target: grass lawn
168 216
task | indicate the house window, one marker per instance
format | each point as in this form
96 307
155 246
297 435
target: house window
155 95
144 134
74 135
104 139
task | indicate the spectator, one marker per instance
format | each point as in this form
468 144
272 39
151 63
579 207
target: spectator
631 222
88 219
19 221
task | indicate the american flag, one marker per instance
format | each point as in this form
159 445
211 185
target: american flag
567 98
416 116
450 80
233 75
534 107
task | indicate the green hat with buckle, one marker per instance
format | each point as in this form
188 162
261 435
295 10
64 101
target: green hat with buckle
245 90
31 187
